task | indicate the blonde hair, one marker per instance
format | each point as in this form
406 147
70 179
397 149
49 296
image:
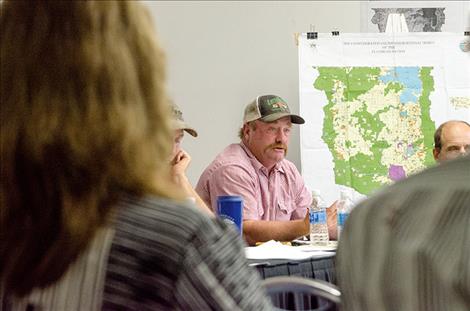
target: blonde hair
84 120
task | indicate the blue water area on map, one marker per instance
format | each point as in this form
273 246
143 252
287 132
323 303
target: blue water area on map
388 77
409 78
409 95
410 150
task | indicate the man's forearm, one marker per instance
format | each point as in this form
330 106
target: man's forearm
183 182
262 231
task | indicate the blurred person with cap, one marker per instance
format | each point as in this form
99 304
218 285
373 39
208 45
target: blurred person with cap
275 197
180 159
451 140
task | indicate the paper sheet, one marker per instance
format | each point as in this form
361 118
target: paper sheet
277 250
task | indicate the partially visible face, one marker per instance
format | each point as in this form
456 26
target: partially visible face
268 141
177 139
455 141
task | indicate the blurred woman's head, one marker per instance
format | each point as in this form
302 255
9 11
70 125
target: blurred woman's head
84 119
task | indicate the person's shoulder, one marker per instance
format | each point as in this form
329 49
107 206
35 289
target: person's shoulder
232 155
233 161
156 237
160 218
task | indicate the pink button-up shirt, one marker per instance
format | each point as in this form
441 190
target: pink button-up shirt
277 195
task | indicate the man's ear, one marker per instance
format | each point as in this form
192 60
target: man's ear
435 153
246 130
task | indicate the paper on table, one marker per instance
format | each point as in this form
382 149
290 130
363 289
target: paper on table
332 245
277 250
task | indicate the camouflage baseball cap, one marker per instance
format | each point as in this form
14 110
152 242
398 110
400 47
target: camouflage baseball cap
178 121
269 108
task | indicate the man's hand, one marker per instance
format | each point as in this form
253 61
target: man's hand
307 219
332 221
180 163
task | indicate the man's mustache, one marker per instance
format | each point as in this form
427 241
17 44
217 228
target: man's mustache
274 146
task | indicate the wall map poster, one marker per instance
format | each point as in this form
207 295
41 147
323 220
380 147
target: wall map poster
372 103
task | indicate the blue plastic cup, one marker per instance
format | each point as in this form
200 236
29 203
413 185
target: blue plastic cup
230 210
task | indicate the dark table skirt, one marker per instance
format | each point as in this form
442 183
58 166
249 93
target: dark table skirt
315 268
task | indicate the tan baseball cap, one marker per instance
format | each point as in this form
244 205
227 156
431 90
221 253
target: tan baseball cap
178 121
269 108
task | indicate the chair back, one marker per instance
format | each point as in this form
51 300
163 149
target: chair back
298 293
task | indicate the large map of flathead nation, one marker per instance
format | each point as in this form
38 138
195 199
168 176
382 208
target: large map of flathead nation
377 124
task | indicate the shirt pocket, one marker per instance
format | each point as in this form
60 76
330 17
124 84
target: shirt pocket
284 209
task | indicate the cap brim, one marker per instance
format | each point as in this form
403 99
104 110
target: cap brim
191 131
276 116
180 125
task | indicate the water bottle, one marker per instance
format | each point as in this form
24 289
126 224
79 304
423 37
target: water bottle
344 207
318 225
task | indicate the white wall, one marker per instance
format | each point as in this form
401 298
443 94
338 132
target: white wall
222 54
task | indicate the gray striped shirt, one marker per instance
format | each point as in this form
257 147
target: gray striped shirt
158 255
408 247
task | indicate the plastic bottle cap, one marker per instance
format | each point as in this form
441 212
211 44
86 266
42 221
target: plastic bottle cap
316 192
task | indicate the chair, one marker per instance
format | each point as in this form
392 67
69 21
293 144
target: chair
298 293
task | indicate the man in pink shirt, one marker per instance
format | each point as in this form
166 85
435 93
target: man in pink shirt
274 195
